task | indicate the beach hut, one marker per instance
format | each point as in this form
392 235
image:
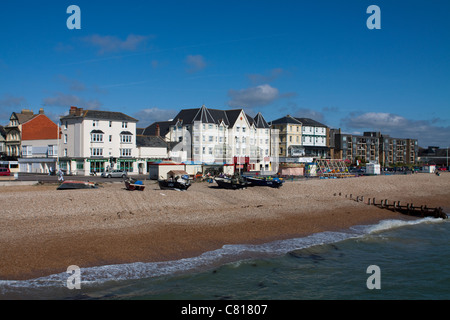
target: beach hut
160 168
429 168
373 168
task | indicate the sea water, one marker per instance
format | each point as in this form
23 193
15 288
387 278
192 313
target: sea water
412 257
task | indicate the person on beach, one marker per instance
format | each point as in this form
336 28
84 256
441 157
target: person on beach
60 176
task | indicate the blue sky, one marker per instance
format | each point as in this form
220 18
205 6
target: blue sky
313 59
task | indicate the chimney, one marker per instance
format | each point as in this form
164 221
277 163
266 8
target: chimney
41 111
72 111
79 111
158 133
27 111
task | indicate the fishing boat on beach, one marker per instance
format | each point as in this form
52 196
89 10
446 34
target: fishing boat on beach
234 182
72 185
176 180
131 185
265 182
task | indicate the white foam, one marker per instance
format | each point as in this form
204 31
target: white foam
226 254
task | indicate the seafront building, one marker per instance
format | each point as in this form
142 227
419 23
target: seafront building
301 138
2 142
91 141
32 140
218 137
373 147
94 141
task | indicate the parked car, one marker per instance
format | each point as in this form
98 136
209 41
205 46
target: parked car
5 172
114 174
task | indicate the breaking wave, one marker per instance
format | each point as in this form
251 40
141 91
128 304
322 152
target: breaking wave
95 276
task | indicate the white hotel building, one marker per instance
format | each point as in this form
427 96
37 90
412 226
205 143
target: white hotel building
94 141
221 137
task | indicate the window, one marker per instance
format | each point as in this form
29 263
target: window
210 126
65 138
27 150
210 150
96 137
124 124
211 139
110 124
95 123
237 129
243 129
95 152
65 125
196 150
65 152
110 138
125 138
125 152
204 150
80 165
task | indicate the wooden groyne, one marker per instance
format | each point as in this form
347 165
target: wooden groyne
395 206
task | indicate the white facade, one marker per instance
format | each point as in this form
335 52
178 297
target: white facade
209 140
94 141
38 156
314 136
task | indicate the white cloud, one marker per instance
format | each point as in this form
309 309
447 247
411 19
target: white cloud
195 63
261 95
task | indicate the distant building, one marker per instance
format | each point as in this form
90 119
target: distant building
40 137
434 156
301 137
32 140
149 150
2 142
373 147
13 130
94 141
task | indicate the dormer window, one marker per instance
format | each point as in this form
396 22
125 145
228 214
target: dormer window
97 136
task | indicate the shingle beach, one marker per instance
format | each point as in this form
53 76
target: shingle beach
43 231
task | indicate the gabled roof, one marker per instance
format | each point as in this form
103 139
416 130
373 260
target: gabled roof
205 115
22 118
260 122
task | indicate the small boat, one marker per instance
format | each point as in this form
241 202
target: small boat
131 185
172 184
71 185
176 180
265 182
235 182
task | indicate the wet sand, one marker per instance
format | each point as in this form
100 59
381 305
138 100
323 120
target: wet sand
43 231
